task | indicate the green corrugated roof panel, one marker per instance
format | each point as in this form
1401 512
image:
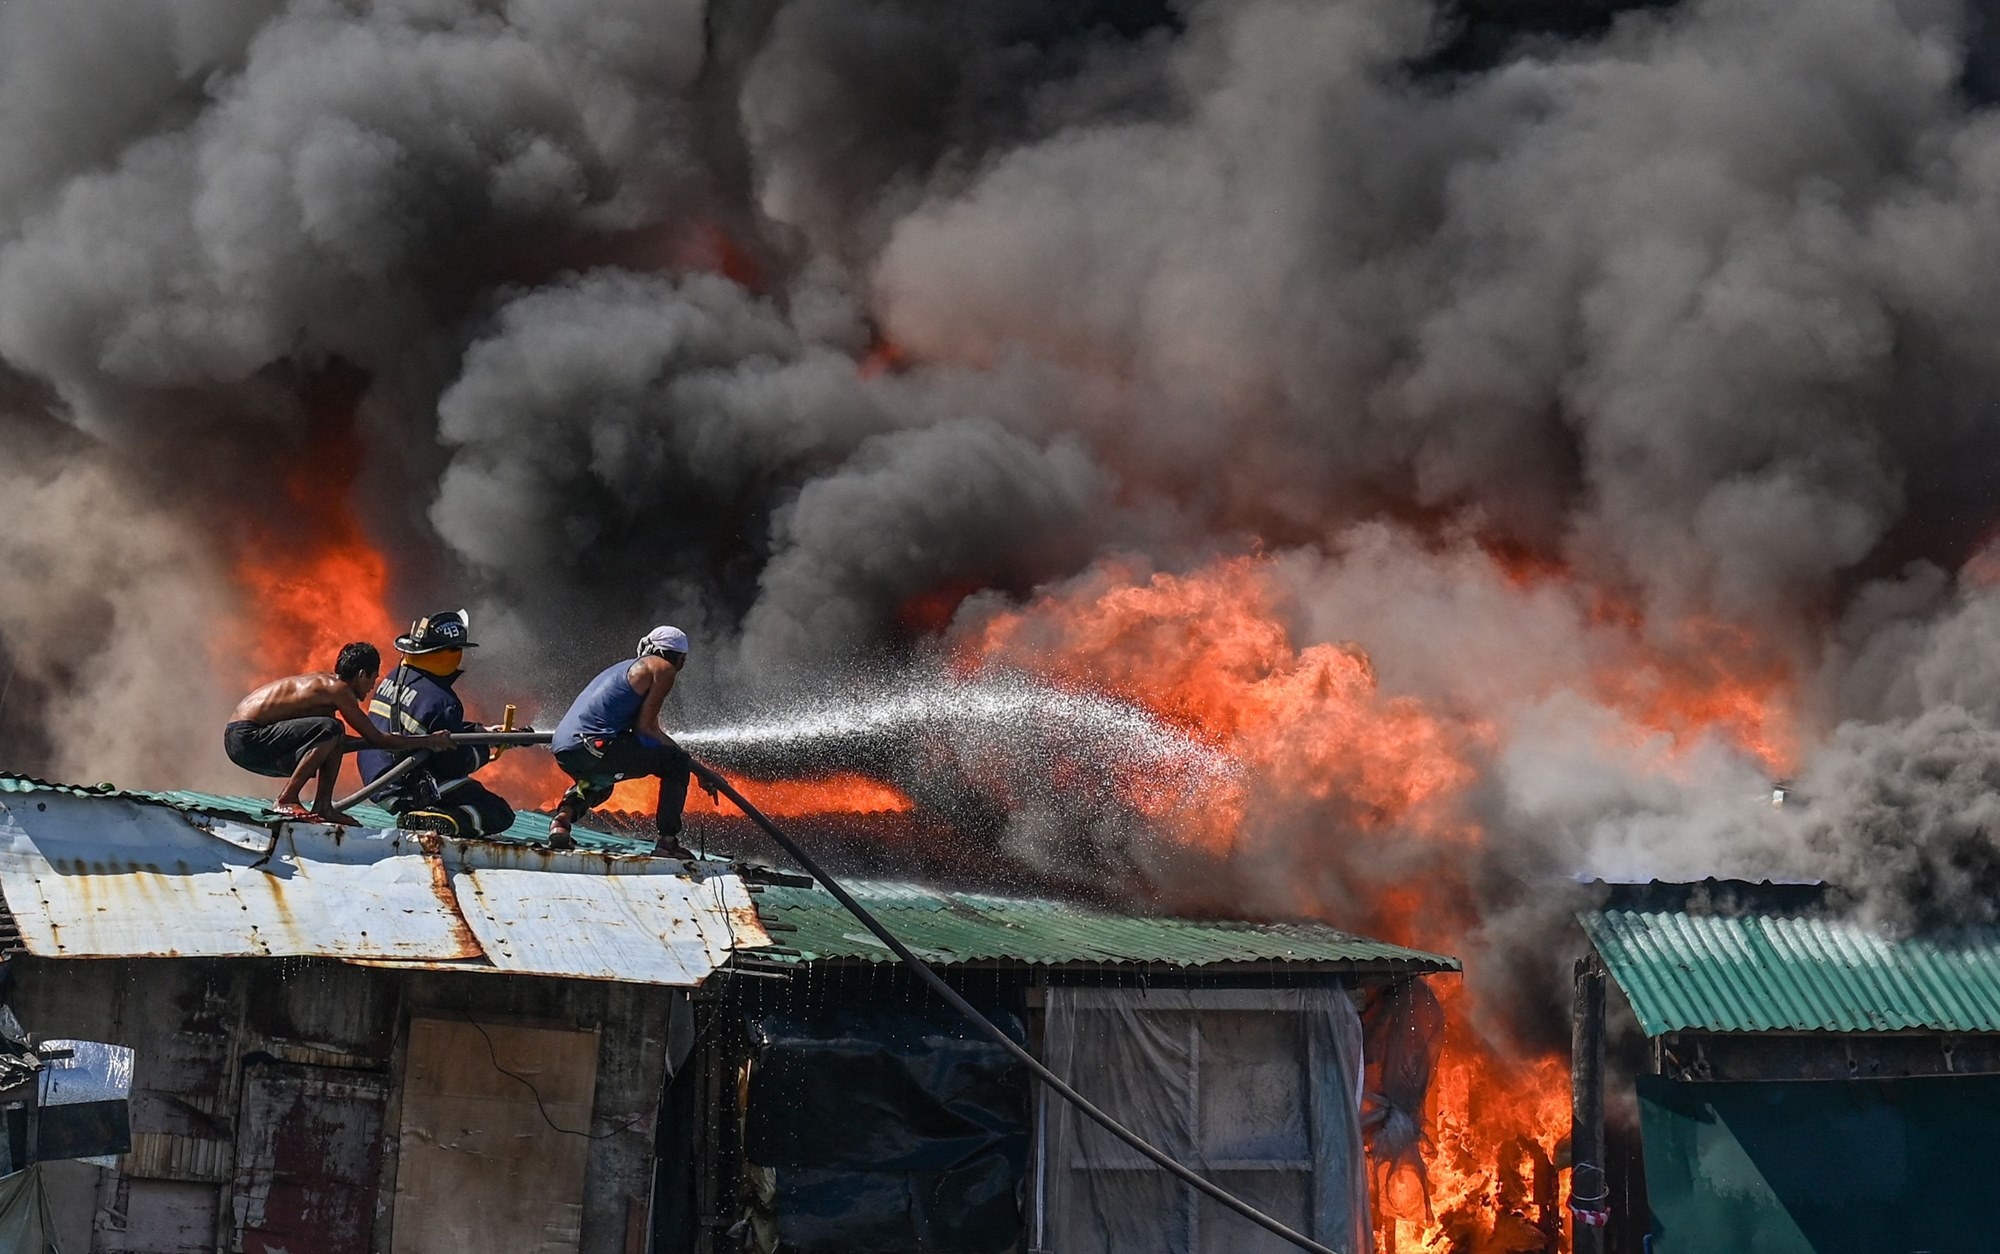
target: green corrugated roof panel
1770 973
528 828
958 927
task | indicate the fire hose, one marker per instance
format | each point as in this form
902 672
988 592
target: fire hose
388 778
714 781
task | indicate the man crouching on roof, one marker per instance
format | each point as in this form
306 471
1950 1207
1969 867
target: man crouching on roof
288 730
612 732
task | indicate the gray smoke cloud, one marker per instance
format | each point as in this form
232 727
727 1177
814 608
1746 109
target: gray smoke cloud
776 319
105 607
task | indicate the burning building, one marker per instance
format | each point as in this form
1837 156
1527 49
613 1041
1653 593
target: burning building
350 1041
1337 460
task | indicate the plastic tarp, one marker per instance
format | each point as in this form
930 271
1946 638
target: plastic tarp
885 1132
26 1226
1258 1089
1402 1036
1822 1166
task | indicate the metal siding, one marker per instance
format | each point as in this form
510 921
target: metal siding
1764 973
952 927
1819 1166
309 1152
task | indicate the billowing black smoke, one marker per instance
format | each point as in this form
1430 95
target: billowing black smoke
773 319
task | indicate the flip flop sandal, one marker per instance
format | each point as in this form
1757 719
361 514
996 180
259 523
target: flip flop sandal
292 810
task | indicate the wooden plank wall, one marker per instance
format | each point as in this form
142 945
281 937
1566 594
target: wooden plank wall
198 1024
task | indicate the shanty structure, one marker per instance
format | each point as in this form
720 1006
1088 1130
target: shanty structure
1812 1084
356 1041
859 1114
367 1041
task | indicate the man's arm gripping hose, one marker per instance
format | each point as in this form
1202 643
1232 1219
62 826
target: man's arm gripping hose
715 782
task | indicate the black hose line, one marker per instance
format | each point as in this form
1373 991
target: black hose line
502 738
473 738
384 780
419 756
712 779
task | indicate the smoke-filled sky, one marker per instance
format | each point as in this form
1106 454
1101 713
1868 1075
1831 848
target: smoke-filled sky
1668 349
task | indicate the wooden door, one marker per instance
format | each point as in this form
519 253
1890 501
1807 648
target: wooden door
496 1123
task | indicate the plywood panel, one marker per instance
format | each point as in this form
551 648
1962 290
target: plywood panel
482 1165
307 1160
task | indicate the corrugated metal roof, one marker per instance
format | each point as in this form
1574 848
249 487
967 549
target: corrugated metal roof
185 874
958 927
528 828
1774 973
97 876
92 874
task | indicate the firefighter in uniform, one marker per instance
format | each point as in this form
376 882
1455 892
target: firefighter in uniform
415 699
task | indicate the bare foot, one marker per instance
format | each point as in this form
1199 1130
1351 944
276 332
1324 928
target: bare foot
290 810
337 818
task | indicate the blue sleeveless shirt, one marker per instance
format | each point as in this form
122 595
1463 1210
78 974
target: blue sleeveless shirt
606 707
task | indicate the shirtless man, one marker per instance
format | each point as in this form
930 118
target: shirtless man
287 729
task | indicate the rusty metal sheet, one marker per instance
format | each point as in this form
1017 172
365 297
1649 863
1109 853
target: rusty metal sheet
110 877
593 917
308 1154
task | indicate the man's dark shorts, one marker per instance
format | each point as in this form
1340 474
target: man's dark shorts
275 748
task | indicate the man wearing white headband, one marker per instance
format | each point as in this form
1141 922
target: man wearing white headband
612 732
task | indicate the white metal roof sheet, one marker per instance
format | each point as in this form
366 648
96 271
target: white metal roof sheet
115 877
596 918
98 877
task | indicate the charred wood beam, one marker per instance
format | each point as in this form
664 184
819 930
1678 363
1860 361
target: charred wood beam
1589 1193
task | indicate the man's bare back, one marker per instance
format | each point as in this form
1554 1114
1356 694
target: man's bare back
291 728
298 696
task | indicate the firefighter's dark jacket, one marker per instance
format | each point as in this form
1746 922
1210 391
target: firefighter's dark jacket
415 703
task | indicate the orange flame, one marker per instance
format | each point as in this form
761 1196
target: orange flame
1210 651
1499 1131
534 781
1710 678
314 583
1207 652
